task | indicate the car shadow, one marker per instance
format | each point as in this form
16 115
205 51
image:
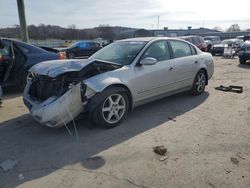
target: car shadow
11 92
40 150
245 66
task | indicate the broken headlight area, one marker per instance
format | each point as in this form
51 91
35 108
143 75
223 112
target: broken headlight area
55 101
43 87
56 96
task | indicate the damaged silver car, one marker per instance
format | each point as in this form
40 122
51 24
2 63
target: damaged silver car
114 80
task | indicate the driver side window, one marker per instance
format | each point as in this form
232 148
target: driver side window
158 50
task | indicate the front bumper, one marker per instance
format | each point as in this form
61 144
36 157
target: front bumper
244 55
55 111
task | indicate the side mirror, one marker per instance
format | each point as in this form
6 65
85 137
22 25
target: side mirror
148 61
1 44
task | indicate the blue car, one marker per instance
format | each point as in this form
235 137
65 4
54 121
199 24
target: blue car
82 49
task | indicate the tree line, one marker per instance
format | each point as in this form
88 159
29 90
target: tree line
42 32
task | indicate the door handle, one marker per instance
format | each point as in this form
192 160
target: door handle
171 68
196 62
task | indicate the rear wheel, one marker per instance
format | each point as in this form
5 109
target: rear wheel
111 109
71 55
242 61
199 83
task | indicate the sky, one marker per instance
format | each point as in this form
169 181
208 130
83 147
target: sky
174 14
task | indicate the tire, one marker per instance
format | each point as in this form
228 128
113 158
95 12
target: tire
213 53
199 83
242 61
108 112
71 55
209 48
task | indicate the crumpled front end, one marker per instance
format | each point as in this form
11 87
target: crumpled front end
56 92
56 108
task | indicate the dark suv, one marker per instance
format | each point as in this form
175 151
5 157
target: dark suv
197 41
244 53
82 49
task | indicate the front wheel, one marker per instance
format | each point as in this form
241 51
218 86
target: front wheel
111 109
199 83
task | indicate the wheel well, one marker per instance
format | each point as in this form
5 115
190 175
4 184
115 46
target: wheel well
203 69
130 98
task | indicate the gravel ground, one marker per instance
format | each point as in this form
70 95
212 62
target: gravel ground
207 139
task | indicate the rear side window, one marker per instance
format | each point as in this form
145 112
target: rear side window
83 45
94 45
23 49
180 49
6 51
193 50
158 50
196 40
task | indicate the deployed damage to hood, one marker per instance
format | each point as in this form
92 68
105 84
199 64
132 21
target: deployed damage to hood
56 93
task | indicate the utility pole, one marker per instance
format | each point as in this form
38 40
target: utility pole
158 22
22 20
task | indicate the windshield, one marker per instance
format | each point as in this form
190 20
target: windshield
122 52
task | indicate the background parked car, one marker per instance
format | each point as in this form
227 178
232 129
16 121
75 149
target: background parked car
219 48
244 53
82 49
211 41
197 41
17 58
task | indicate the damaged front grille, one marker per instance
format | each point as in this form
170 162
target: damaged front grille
44 87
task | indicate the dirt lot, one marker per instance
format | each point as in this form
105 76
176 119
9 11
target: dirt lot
207 137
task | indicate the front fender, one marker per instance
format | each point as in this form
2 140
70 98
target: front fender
99 84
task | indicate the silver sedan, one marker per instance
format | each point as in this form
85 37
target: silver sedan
116 79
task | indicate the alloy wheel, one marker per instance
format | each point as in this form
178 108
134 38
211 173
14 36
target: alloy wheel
113 108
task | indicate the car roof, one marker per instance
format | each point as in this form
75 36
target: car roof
144 39
211 37
31 47
234 39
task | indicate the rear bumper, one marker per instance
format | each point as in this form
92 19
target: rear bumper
55 111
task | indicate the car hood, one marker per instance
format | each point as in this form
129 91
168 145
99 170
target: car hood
56 67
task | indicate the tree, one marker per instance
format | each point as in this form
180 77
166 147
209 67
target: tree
234 27
217 28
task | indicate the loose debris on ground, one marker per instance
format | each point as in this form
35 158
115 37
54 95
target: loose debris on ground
231 88
8 164
160 150
234 160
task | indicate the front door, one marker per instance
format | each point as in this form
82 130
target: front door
157 79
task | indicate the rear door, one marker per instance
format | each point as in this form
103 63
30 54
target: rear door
186 63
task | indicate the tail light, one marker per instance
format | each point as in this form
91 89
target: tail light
62 55
1 58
